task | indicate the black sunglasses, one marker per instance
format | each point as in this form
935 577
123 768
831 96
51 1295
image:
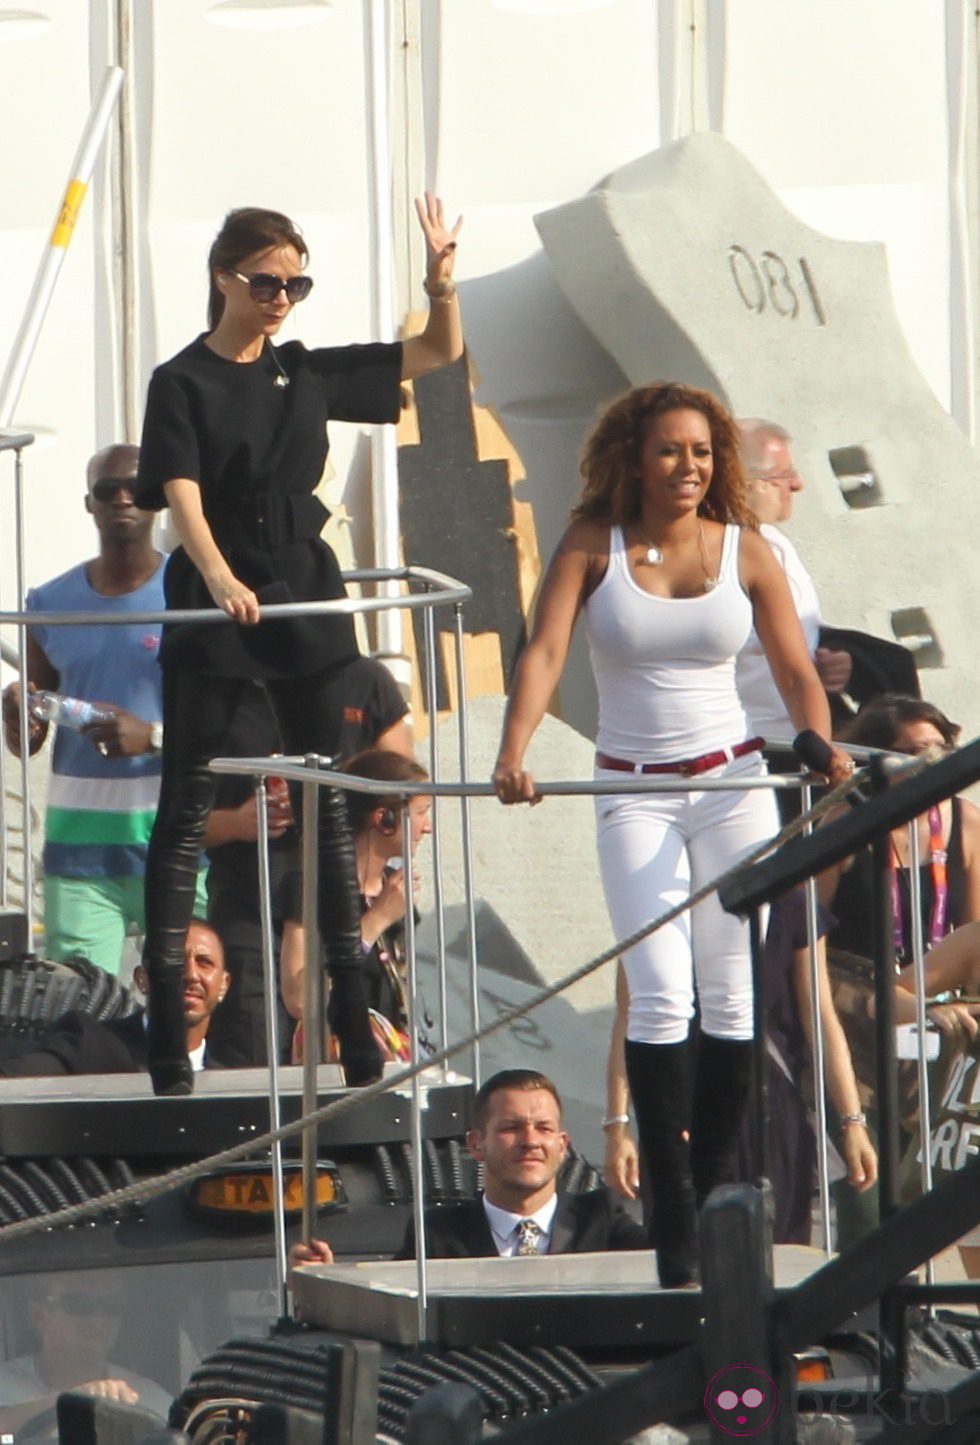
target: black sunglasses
265 287
106 488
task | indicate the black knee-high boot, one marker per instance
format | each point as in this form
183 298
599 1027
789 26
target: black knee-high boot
171 880
195 713
339 914
660 1085
723 1079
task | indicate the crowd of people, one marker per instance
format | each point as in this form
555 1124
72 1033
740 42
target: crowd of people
707 646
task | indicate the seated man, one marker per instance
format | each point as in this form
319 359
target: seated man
518 1138
76 1317
79 1044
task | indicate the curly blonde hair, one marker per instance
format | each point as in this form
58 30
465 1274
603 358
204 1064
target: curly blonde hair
611 459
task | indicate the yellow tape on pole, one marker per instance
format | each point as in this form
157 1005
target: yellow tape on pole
68 215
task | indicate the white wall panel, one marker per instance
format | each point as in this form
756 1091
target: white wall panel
843 107
265 117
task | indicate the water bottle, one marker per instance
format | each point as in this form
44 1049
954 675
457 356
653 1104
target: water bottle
66 712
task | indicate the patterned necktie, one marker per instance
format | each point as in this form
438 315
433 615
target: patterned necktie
528 1234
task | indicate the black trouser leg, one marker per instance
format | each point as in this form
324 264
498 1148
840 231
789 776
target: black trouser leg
310 716
196 714
660 1086
723 1079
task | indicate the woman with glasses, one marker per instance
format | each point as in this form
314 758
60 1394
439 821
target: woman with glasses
234 443
949 841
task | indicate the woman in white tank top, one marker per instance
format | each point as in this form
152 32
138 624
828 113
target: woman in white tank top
663 556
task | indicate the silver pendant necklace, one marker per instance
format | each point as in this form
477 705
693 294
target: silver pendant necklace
282 380
653 556
710 583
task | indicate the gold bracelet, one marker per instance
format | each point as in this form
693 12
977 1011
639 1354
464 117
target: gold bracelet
439 290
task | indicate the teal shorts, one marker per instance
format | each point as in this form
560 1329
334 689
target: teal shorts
94 916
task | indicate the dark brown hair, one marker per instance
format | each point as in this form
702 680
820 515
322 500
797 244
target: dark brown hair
611 460
523 1079
243 233
380 765
879 722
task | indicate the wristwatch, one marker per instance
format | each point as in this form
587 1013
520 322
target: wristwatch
156 737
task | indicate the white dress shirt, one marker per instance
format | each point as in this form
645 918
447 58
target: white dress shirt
503 1225
760 697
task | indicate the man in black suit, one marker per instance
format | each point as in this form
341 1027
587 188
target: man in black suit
518 1137
79 1044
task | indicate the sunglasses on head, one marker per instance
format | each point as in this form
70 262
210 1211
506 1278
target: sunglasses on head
88 1305
265 287
106 488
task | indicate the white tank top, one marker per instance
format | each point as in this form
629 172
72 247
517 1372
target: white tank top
665 666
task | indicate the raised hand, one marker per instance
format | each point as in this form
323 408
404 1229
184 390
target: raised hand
440 241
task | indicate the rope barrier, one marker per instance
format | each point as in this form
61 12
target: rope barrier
161 1184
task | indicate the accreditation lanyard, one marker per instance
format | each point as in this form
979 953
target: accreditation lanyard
940 887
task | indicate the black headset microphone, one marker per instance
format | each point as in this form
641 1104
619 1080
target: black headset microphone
814 751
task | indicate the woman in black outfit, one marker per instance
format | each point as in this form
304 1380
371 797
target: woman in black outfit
234 442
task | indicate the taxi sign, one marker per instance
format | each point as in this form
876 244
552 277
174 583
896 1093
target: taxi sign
245 1193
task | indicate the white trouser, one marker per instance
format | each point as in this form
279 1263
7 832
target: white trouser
654 850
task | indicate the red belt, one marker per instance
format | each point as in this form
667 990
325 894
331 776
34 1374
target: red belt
690 767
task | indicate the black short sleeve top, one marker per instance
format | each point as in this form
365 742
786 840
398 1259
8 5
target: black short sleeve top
257 448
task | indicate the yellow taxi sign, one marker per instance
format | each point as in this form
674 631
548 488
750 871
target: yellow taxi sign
247 1192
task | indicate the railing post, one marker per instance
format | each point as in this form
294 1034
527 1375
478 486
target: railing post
736 1339
312 989
883 937
760 1054
270 976
419 1094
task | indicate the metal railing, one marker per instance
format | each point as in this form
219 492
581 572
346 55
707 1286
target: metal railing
312 773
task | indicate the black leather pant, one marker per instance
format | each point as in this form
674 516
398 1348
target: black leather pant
197 711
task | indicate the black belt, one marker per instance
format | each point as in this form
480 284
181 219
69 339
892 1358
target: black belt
269 519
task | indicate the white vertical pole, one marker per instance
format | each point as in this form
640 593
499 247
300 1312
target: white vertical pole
125 192
961 183
54 252
384 450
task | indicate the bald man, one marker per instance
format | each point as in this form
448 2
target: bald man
104 780
79 1044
